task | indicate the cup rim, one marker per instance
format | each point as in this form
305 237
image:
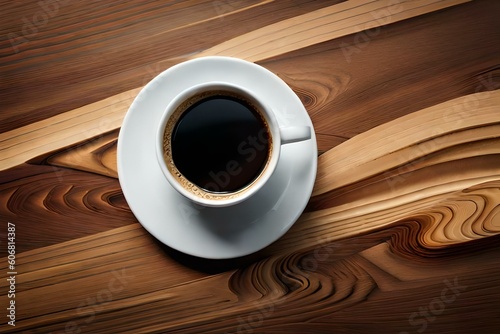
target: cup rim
201 196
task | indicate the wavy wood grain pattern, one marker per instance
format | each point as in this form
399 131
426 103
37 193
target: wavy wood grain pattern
402 232
397 162
336 286
52 204
422 234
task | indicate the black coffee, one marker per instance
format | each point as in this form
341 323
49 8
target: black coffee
220 143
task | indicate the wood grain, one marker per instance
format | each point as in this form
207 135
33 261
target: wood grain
434 217
52 204
402 232
94 51
106 115
406 140
322 25
315 289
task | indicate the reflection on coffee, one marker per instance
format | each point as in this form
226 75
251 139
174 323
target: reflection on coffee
220 142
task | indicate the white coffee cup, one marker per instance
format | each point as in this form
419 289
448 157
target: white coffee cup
205 195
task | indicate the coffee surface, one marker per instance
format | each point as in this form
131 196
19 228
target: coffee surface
220 143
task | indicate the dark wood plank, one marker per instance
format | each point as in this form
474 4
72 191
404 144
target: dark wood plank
108 48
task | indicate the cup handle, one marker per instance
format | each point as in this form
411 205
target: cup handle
294 134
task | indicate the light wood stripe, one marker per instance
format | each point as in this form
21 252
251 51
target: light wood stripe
322 25
360 156
65 129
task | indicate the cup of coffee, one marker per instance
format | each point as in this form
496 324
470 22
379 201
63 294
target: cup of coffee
217 144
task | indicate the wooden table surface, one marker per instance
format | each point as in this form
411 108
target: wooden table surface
401 234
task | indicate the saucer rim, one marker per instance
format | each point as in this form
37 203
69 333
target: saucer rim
135 206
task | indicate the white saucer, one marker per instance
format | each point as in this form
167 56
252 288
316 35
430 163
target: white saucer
215 233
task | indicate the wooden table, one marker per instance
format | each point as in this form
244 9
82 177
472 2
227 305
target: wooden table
401 234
